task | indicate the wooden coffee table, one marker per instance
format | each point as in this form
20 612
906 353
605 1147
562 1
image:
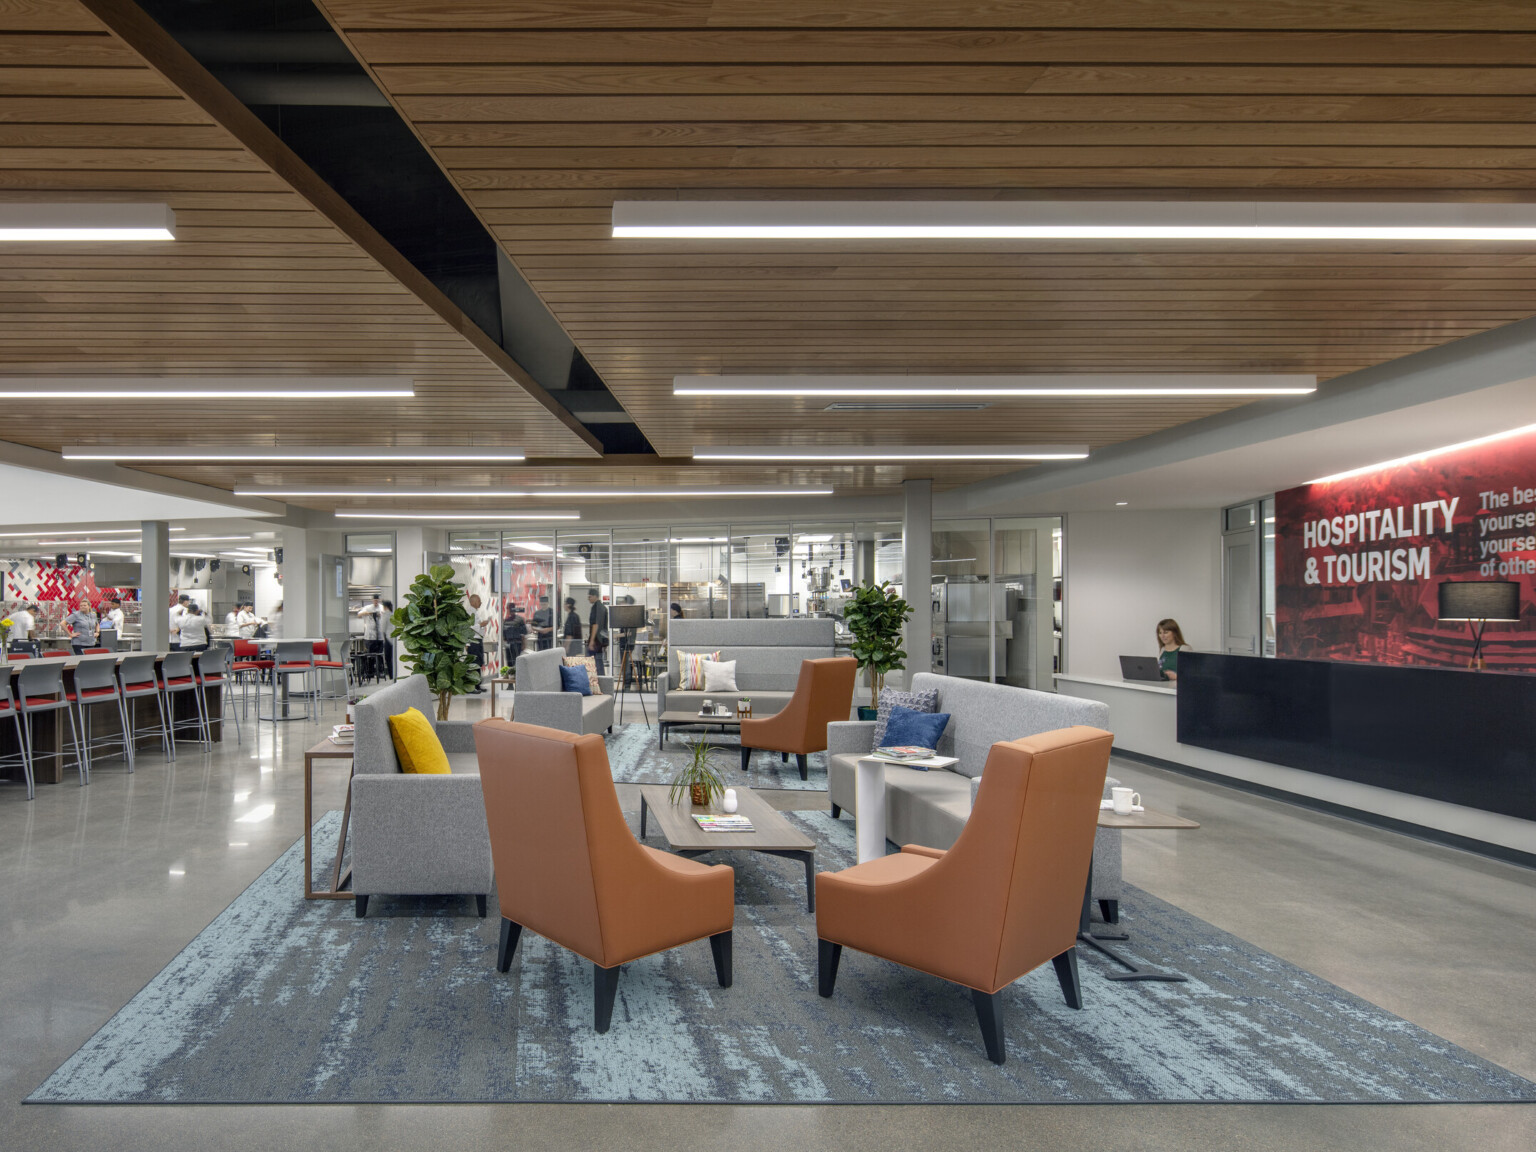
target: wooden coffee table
667 720
771 833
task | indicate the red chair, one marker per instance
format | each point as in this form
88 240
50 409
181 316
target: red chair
137 676
178 675
96 683
19 656
324 663
213 669
247 661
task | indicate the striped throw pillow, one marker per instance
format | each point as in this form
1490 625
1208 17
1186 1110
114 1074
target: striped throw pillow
690 668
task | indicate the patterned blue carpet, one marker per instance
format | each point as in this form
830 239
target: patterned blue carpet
284 1001
637 758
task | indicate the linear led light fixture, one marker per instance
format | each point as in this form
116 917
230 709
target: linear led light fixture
525 493
130 540
1067 220
457 514
849 455
1425 455
205 387
93 531
300 455
1038 385
85 223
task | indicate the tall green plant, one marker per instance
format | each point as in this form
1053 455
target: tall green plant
435 626
876 616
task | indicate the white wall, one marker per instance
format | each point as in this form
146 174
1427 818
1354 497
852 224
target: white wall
1127 570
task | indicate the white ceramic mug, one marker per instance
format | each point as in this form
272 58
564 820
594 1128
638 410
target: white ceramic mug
728 801
1125 800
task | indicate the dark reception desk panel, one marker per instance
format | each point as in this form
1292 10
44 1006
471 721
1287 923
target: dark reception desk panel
1463 737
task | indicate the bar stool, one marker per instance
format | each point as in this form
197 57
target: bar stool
324 663
213 668
248 660
178 675
24 752
136 678
96 683
293 658
40 688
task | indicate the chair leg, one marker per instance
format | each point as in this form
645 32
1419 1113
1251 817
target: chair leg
511 933
166 742
82 755
746 757
24 746
122 715
804 765
827 956
720 945
783 757
1111 910
1066 973
480 905
837 811
989 1014
361 905
605 988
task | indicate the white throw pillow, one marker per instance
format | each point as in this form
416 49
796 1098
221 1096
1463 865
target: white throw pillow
719 675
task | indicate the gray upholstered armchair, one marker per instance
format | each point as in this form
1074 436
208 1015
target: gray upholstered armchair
415 835
537 697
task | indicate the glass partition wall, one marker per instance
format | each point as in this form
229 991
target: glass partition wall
996 584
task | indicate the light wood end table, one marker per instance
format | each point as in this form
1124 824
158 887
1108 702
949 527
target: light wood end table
327 749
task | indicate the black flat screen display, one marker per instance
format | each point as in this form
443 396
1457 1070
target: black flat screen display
1460 736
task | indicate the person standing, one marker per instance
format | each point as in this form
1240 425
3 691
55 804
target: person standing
597 628
543 625
372 615
232 620
113 617
514 634
386 626
476 647
1170 641
82 628
22 622
194 629
246 621
178 610
570 629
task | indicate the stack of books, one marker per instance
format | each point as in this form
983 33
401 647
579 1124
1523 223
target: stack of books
342 734
711 822
901 752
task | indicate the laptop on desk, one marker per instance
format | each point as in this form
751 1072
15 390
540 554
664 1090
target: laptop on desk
1140 668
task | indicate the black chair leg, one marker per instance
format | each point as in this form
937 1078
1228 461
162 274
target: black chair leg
480 905
827 956
783 757
805 768
1066 973
836 811
989 1014
1111 910
605 988
362 906
746 757
511 933
720 945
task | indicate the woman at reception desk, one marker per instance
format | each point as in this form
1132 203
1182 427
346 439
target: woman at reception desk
1170 641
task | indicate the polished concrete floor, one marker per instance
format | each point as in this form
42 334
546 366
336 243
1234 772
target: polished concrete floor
103 885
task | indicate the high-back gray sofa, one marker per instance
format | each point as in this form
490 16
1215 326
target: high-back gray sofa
538 697
932 807
768 655
415 835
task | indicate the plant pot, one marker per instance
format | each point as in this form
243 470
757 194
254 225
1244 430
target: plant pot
699 794
868 713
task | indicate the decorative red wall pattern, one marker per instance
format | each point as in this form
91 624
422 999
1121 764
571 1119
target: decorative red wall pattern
1358 562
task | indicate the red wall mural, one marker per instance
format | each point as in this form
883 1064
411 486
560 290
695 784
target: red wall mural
1359 561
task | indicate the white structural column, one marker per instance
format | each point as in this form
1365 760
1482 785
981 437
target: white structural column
154 586
917 572
300 571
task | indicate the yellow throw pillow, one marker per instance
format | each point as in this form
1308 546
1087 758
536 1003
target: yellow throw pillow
417 745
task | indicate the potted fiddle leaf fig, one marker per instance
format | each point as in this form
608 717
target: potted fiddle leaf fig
876 616
434 625
698 779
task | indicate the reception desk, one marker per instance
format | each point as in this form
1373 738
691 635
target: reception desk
1404 761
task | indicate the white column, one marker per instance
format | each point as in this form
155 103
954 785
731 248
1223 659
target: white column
917 572
300 571
154 586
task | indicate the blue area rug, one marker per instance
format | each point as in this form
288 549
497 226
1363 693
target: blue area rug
636 758
284 1001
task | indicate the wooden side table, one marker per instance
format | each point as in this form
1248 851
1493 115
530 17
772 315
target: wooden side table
1148 819
327 749
509 681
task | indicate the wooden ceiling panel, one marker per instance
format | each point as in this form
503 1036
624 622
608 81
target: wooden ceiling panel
545 113
259 280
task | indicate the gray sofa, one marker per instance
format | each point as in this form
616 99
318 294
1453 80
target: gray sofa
932 807
537 697
768 655
415 835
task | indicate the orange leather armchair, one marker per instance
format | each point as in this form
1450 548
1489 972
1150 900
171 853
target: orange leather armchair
1004 900
568 867
823 693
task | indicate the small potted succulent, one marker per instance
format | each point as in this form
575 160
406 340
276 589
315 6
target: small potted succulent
698 779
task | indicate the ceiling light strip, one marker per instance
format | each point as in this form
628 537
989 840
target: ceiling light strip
851 456
464 514
527 493
88 223
1070 220
305 455
204 387
1523 430
1041 385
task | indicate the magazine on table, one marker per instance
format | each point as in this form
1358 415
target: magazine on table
904 752
711 822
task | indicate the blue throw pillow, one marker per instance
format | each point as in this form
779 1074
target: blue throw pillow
575 680
921 729
924 701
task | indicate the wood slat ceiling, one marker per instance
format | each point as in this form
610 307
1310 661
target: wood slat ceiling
257 282
545 113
